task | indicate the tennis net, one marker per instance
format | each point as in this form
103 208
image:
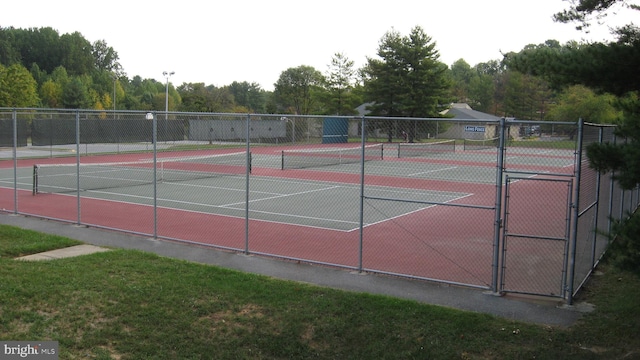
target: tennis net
480 144
299 159
425 149
64 178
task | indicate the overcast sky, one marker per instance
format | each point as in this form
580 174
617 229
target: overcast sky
256 40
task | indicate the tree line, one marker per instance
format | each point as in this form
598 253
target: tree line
41 68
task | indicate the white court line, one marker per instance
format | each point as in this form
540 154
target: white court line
275 195
410 212
218 187
432 171
223 207
284 215
217 214
542 152
304 217
209 205
283 196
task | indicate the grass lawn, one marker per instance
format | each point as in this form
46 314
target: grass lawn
126 304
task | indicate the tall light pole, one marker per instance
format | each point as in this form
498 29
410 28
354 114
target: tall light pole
115 78
166 95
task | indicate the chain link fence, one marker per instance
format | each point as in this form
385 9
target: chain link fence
497 204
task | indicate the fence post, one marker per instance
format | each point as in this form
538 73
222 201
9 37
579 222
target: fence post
597 207
362 148
498 207
247 170
14 115
573 233
154 139
79 210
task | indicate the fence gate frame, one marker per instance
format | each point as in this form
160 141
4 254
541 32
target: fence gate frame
526 286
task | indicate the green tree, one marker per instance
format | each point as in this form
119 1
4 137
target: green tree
525 96
249 95
603 67
105 57
77 54
580 102
51 94
9 53
475 85
17 87
197 97
38 46
60 75
585 12
340 81
622 159
382 79
407 80
611 68
222 99
76 95
296 89
492 77
462 75
481 93
144 92
119 93
39 76
160 101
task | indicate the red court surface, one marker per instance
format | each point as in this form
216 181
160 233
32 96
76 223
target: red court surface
441 242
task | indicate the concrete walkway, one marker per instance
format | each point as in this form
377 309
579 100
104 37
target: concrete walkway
71 251
540 311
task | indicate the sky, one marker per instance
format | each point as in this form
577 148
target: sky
217 43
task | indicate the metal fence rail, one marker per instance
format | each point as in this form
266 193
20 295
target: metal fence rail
502 205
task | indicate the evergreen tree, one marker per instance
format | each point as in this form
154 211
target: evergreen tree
341 97
76 95
408 79
611 68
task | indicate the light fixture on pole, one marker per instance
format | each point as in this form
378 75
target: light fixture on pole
167 74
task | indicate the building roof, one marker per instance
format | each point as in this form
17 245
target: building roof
362 109
461 111
457 111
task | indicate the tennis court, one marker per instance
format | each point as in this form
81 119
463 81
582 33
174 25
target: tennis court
320 189
196 184
433 209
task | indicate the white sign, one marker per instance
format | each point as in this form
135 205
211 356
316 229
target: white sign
474 128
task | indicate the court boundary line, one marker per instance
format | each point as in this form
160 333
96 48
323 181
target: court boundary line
231 206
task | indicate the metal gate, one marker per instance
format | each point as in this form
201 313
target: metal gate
536 234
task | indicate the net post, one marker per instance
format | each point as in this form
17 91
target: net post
35 179
282 160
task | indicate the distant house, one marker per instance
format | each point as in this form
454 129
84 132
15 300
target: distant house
462 123
474 128
462 111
